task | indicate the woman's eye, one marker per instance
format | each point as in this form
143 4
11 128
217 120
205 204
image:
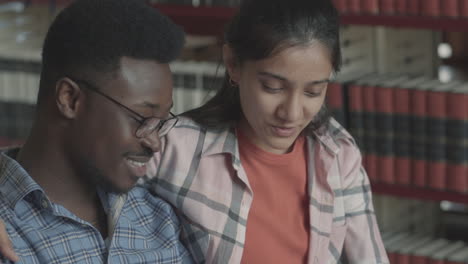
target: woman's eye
271 89
312 94
317 90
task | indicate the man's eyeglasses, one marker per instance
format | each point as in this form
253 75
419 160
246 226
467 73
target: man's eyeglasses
147 124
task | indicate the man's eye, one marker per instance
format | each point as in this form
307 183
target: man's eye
135 120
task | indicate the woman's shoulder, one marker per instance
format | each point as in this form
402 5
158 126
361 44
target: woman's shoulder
188 132
188 126
334 136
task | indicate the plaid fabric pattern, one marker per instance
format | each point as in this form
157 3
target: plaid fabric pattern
143 230
199 172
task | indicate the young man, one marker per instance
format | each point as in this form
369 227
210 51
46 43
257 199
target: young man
103 104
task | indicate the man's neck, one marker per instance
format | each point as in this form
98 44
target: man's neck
49 166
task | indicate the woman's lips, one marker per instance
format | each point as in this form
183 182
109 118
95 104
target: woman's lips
284 131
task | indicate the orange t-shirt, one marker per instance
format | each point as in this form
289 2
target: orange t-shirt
278 221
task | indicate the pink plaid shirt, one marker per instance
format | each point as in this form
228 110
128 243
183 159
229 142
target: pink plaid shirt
200 174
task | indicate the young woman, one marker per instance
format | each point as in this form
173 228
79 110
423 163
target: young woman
261 173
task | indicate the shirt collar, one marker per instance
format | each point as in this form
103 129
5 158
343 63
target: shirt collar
222 140
15 182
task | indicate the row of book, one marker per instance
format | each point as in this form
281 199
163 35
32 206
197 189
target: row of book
417 248
433 8
15 120
420 216
411 130
231 3
8 142
194 83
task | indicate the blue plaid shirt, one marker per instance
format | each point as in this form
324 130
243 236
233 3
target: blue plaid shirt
145 230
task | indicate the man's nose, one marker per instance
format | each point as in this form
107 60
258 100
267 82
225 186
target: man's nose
152 141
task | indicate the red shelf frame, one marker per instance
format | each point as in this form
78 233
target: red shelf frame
210 20
201 20
419 22
419 193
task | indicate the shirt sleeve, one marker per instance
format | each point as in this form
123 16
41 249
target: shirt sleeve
363 242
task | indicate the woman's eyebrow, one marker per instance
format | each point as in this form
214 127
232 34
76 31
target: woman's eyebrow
276 76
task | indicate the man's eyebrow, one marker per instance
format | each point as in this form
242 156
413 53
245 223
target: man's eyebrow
276 76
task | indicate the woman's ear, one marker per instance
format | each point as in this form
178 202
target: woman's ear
231 63
67 95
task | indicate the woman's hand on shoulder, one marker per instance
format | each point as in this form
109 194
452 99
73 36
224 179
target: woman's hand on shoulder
6 248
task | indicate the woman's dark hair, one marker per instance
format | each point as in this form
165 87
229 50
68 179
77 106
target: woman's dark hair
262 28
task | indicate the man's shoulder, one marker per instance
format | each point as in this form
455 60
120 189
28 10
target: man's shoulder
7 213
142 200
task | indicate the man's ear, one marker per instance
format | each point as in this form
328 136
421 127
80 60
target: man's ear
67 95
231 63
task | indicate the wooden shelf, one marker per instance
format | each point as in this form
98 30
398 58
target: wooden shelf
211 20
420 22
202 20
419 193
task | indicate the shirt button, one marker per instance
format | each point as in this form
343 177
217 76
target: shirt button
316 260
44 204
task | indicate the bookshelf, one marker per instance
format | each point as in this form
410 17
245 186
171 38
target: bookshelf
419 193
417 22
203 20
210 20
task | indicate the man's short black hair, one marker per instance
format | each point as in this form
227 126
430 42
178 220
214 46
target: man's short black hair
89 37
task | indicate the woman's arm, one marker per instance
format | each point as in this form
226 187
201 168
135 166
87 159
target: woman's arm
363 243
6 248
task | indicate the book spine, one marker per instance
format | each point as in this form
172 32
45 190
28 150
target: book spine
414 8
387 7
370 6
418 134
355 6
464 8
368 93
402 137
356 113
430 7
392 257
335 101
436 137
457 150
419 260
384 133
450 8
403 259
401 6
341 6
